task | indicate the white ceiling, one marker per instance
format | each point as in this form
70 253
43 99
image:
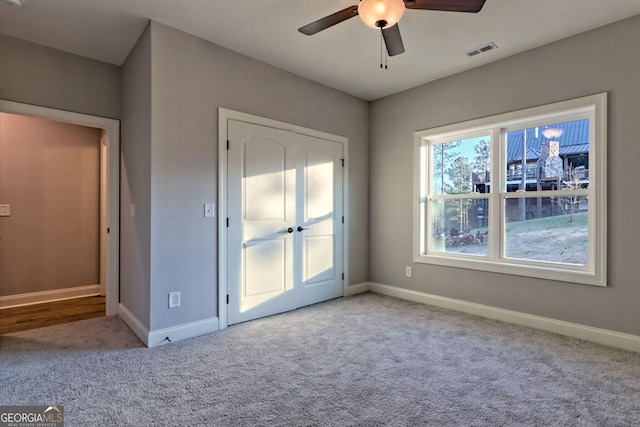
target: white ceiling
345 57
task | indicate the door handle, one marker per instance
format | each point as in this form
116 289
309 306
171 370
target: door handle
301 228
287 230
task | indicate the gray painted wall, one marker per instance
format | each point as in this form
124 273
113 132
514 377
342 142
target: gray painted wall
190 80
602 60
135 181
38 75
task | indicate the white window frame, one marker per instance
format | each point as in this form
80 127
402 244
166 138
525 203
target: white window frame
593 107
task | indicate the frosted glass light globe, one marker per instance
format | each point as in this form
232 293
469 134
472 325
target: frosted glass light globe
381 13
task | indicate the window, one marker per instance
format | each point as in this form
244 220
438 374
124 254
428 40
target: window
520 193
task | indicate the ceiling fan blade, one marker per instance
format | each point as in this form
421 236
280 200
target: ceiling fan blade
329 21
472 6
393 40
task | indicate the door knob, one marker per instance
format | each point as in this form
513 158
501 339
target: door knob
301 228
287 230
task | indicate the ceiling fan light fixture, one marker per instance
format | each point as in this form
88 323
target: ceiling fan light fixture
381 13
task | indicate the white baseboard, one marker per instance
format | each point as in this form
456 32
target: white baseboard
174 333
134 324
49 296
182 332
601 336
358 288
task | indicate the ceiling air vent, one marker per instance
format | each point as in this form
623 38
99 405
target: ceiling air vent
487 47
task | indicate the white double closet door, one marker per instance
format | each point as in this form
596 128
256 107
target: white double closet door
285 221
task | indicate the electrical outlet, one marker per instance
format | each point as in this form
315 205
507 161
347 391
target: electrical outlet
409 271
174 299
5 210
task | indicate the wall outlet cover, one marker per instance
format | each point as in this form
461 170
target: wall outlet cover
174 299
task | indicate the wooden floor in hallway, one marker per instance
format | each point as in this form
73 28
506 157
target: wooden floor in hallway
34 316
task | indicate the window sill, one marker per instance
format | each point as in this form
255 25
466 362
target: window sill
562 273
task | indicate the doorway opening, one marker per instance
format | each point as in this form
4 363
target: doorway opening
104 227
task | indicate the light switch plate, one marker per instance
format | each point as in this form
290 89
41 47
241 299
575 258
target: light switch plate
5 210
209 210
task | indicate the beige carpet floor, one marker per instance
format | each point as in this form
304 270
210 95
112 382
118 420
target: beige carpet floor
367 360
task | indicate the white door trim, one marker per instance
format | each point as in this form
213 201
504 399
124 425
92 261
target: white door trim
110 268
224 115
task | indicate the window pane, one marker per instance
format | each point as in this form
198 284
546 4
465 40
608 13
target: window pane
460 226
556 157
552 229
462 166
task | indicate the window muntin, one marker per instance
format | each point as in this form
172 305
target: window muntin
549 222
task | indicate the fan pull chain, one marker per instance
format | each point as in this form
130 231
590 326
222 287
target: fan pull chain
380 48
386 58
383 52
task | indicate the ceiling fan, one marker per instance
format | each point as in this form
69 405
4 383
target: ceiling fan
385 14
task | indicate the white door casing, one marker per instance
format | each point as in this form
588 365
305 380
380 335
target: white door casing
283 246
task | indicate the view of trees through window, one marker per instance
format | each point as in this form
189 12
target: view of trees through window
545 209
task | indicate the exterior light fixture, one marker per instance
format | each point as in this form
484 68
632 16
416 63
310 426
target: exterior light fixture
552 133
381 13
